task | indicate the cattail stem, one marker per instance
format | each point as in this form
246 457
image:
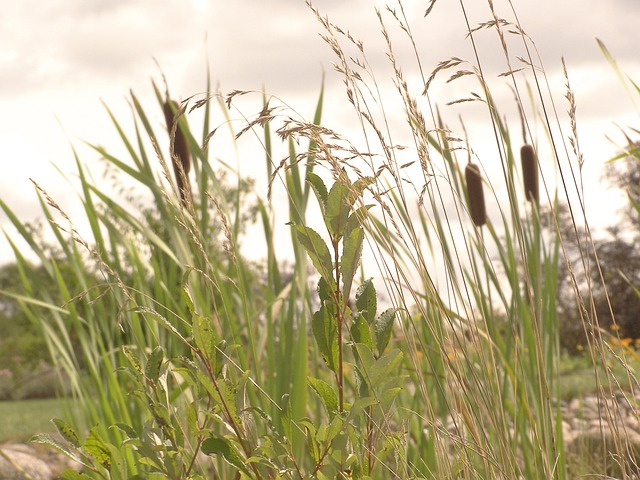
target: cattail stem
529 173
476 194
179 151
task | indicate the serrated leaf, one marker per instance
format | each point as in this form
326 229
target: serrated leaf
69 474
382 327
351 254
222 446
95 447
319 188
219 357
360 331
154 362
359 405
186 297
340 201
335 427
358 187
366 300
204 335
326 394
364 361
325 330
46 439
312 441
133 360
388 397
316 249
67 432
337 211
285 415
324 291
355 219
128 430
387 366
228 394
160 414
192 416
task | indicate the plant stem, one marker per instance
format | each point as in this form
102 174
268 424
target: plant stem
340 315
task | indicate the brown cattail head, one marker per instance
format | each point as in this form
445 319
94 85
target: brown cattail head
476 194
529 172
179 150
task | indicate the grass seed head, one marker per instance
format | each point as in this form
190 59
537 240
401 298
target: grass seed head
529 172
476 194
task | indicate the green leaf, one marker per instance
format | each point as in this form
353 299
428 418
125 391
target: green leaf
383 327
355 219
135 363
154 362
221 446
384 368
95 447
366 301
358 187
285 415
326 394
337 211
69 474
319 188
66 432
46 439
335 428
128 430
324 290
204 335
317 250
192 416
352 252
312 442
186 297
325 330
360 331
340 201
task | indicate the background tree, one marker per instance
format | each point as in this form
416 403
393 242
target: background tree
609 266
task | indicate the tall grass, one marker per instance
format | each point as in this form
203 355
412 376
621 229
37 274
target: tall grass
188 361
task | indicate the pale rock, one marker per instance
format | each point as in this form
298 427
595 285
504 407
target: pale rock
17 462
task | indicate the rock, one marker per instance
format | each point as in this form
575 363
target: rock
575 406
32 462
19 462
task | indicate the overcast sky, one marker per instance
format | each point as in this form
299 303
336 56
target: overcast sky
60 58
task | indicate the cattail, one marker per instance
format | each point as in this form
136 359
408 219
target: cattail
180 157
476 194
529 172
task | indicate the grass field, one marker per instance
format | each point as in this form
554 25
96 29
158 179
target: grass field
21 419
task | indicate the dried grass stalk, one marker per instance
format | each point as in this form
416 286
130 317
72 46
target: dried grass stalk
529 172
476 194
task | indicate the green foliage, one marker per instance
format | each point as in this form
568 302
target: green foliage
186 361
378 377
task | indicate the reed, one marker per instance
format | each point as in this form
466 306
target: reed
402 342
530 173
475 192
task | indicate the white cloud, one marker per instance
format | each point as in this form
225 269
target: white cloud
62 56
